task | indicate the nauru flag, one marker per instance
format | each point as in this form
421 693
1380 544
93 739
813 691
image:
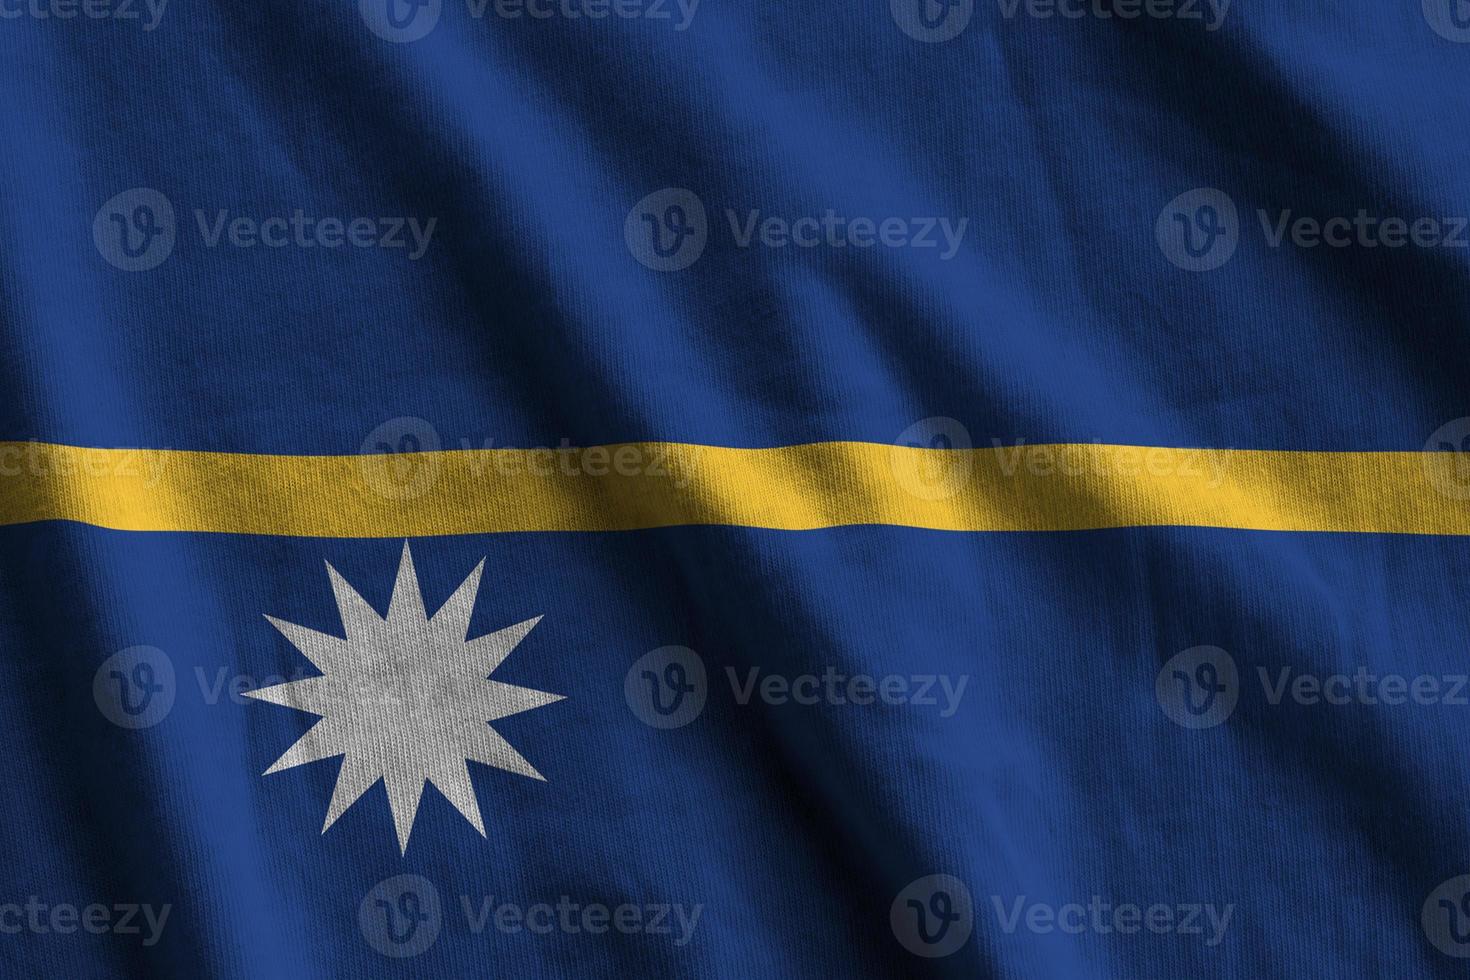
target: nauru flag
603 488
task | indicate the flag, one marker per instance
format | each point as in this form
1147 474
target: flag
672 488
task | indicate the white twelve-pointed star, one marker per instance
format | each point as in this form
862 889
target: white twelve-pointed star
405 698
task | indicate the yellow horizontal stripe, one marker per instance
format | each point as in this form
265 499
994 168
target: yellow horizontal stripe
647 485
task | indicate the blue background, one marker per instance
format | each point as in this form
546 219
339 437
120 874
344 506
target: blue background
1058 778
528 321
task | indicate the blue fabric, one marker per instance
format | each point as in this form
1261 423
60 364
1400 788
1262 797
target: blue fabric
529 321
